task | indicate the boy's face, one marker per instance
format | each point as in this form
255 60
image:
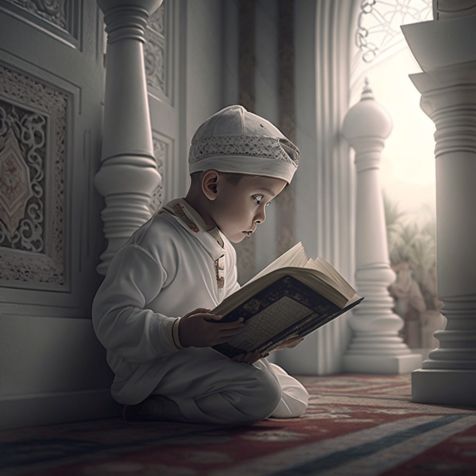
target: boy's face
238 208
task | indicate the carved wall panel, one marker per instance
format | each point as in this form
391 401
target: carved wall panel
59 17
33 117
163 151
158 53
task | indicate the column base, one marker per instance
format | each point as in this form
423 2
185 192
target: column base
445 386
382 364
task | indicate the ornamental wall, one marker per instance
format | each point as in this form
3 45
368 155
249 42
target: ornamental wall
52 57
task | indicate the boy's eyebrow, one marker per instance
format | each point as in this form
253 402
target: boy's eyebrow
267 190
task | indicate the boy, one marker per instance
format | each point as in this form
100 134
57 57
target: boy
181 263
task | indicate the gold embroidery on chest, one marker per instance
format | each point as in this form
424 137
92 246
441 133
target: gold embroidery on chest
180 213
220 271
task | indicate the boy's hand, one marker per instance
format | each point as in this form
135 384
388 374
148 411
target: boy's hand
197 329
252 357
292 341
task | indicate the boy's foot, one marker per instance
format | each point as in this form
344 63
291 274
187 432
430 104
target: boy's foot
155 407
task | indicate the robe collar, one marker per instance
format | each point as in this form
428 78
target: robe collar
191 220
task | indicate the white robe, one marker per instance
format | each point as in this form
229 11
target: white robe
164 271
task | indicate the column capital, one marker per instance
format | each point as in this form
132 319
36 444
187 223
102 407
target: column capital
449 99
450 86
444 9
127 18
148 6
439 44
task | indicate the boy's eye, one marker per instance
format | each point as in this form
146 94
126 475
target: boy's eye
259 198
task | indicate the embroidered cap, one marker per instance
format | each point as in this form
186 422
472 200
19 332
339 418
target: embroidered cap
235 140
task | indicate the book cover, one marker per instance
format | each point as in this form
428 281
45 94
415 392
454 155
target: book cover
285 308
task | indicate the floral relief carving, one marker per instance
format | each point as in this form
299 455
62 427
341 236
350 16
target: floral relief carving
154 54
157 20
22 178
32 151
15 187
161 152
155 51
52 11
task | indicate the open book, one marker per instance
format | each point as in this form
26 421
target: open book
292 296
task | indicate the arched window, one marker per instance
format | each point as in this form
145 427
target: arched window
408 165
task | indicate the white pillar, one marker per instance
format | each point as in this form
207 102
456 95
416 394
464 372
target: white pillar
128 173
376 346
446 52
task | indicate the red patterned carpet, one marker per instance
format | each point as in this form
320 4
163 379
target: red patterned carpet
356 425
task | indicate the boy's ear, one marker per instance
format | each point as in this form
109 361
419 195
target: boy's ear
210 180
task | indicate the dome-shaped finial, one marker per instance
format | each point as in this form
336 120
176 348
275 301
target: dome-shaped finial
367 93
366 118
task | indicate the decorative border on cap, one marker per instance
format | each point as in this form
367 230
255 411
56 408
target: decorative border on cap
251 146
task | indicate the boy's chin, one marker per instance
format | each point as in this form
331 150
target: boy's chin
237 238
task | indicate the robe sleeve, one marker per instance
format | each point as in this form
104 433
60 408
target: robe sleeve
122 322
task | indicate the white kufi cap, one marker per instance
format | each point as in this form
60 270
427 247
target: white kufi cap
237 141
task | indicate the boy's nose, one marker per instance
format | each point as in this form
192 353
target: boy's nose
260 216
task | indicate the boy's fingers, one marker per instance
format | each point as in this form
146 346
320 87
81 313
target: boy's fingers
292 338
197 311
294 342
229 326
208 316
228 332
226 325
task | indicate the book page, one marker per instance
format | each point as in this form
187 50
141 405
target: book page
295 256
340 283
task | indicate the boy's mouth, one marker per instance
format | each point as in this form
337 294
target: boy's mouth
248 233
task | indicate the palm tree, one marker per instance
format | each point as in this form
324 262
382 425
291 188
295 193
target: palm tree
413 243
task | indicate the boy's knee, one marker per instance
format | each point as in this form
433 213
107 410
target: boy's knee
290 407
296 399
267 395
